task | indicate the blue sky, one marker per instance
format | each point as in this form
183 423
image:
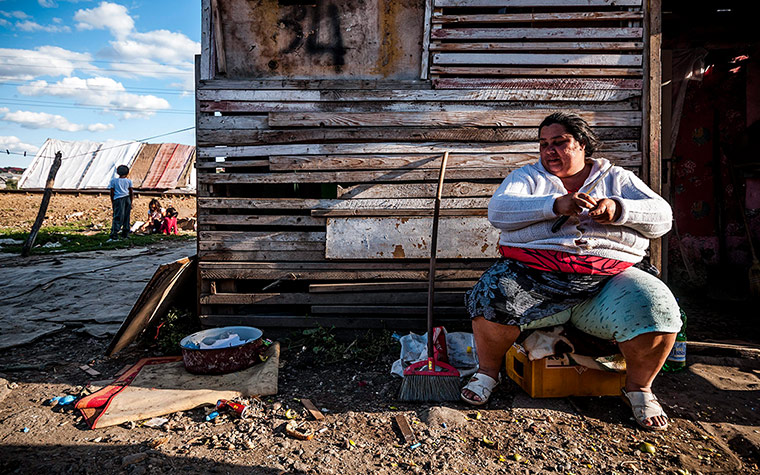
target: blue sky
95 70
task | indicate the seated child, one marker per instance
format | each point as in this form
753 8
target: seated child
169 225
155 216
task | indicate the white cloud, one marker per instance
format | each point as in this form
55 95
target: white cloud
14 144
108 16
100 91
43 120
24 64
15 14
4 22
32 26
47 3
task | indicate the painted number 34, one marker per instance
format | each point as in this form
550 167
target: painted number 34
304 23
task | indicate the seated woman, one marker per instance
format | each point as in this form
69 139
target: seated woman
588 272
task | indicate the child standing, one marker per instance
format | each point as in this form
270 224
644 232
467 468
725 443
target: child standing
121 199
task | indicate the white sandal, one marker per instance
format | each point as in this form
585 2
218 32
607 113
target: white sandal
482 385
645 406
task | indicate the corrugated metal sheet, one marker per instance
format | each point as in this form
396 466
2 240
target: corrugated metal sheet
103 166
159 164
91 165
175 167
141 165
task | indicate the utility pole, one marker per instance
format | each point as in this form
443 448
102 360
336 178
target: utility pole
43 206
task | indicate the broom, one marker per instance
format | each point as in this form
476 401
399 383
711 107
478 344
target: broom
431 380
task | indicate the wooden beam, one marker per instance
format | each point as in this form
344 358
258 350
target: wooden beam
536 3
29 243
651 130
442 95
534 71
364 298
221 57
535 33
531 59
425 62
606 46
380 286
538 17
514 118
390 162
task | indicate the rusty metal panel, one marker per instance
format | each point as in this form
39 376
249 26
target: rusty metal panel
409 238
322 39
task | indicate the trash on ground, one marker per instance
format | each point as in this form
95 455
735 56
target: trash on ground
315 413
155 422
158 386
291 428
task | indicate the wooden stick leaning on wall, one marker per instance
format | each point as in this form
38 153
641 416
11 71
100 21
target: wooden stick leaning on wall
43 205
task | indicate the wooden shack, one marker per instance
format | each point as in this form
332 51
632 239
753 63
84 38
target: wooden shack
321 125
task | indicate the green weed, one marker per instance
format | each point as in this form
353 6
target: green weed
320 345
78 237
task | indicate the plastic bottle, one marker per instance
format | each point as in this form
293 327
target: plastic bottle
677 358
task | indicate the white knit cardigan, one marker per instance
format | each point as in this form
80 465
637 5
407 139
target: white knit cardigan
522 208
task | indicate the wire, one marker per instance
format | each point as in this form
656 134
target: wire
19 102
146 72
69 88
143 63
112 147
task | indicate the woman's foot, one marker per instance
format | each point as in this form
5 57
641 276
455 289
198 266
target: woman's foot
647 411
478 390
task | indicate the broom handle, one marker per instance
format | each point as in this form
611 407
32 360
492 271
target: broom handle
433 249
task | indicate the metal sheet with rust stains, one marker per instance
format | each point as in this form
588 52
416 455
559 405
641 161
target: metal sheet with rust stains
409 238
360 39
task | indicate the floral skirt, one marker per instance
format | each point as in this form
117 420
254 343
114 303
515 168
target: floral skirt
512 293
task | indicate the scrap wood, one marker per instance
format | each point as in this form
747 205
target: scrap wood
406 430
315 413
154 301
89 370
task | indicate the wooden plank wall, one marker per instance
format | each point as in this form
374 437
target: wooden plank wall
285 163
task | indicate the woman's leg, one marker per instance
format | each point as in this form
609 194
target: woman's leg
637 310
492 340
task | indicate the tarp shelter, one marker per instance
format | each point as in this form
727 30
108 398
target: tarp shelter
91 165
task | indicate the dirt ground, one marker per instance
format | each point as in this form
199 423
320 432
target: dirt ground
19 209
713 406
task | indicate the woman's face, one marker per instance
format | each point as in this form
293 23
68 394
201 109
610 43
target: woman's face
561 154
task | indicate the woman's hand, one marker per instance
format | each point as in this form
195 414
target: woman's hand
606 211
572 204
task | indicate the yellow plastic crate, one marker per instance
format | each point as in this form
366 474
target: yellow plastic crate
558 377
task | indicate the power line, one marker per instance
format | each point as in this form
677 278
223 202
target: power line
131 71
108 89
19 102
130 142
16 56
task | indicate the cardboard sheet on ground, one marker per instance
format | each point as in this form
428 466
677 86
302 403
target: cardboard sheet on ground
158 386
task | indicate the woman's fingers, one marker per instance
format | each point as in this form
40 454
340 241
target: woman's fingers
604 212
584 201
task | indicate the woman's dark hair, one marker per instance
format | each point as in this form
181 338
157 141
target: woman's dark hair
154 202
575 126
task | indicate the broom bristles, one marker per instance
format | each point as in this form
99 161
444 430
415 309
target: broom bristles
430 381
422 388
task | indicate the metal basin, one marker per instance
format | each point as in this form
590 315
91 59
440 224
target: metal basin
236 353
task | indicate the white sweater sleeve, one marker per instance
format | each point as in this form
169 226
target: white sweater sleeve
642 209
515 206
